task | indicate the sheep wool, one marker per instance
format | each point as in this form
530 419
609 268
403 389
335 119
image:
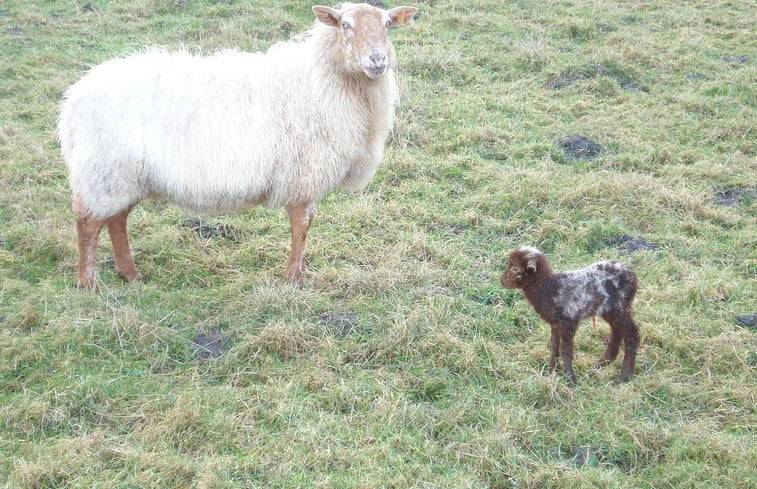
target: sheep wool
224 132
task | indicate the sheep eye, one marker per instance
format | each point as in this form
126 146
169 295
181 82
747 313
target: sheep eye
345 25
388 22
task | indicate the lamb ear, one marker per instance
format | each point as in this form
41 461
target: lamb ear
327 15
400 15
531 264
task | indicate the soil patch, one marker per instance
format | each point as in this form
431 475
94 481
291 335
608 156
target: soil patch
586 72
734 60
630 244
208 230
339 323
731 196
748 321
580 147
210 345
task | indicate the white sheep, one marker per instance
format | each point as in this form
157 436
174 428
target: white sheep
229 131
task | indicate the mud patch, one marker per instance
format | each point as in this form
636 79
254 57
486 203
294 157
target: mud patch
588 457
734 59
580 147
629 244
587 72
340 324
732 196
208 230
210 345
696 77
748 321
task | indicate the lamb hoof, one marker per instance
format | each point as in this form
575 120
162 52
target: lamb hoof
603 361
623 378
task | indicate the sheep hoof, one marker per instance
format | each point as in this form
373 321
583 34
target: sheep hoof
137 277
90 287
294 279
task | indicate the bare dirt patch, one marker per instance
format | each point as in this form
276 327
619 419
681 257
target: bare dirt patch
580 147
732 196
209 230
587 72
748 321
210 345
339 323
630 244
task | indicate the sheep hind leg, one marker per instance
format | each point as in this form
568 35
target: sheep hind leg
300 218
567 333
119 236
613 346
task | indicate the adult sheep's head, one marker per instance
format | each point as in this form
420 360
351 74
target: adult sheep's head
362 35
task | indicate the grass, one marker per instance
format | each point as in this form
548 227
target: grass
401 363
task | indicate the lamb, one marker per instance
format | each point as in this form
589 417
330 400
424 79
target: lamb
606 289
225 132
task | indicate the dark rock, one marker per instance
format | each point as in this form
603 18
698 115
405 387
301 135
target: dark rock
580 147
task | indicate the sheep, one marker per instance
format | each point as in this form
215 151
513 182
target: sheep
232 130
563 299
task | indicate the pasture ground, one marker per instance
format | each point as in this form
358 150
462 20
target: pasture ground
401 363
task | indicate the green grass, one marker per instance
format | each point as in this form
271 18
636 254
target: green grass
439 378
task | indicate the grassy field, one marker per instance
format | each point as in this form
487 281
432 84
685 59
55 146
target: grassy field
401 363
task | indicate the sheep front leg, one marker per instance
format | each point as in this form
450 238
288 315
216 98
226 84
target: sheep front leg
300 218
119 236
554 348
567 333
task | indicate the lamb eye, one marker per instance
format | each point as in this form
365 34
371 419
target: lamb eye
345 25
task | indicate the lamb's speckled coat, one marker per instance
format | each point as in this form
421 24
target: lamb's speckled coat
563 299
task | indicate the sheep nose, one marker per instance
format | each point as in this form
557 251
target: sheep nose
377 57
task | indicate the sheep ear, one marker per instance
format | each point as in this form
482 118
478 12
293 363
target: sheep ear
400 15
531 264
327 15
